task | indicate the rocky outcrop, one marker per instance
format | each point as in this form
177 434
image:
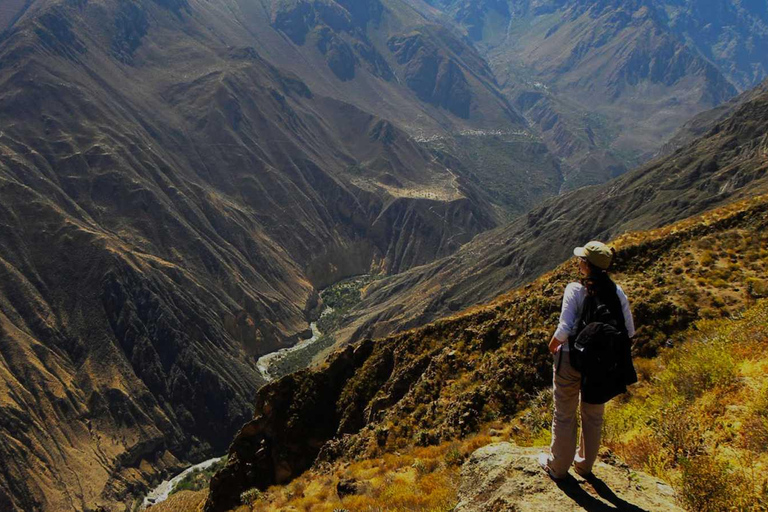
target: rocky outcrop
294 417
504 477
338 30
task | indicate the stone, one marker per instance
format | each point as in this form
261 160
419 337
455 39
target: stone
503 477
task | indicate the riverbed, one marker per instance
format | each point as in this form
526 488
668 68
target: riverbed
264 362
162 491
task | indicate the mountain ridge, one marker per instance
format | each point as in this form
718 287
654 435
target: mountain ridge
163 226
726 162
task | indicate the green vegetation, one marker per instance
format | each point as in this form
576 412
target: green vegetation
699 417
340 298
199 479
300 358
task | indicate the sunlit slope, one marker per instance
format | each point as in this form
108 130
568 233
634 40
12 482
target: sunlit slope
456 376
728 162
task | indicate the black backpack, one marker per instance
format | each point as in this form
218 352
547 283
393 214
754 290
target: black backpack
601 349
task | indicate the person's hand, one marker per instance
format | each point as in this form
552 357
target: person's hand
554 345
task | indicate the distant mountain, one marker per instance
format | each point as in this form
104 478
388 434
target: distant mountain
733 35
606 83
728 162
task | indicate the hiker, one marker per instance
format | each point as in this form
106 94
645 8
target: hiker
599 293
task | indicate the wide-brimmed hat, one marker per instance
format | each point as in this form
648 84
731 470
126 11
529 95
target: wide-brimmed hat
597 253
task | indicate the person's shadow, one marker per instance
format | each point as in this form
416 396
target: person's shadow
573 490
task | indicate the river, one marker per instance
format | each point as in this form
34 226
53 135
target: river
266 361
162 491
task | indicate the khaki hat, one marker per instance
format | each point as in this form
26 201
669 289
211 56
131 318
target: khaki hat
597 253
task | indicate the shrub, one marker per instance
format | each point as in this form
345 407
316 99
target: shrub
707 259
697 367
250 496
420 467
453 457
707 484
677 429
754 433
538 418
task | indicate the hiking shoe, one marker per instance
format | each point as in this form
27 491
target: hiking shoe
586 475
544 464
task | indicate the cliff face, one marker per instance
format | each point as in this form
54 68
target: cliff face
444 381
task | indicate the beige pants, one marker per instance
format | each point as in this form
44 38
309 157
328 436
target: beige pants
567 388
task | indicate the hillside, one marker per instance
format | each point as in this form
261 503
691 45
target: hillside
605 83
180 178
699 125
480 370
728 162
173 193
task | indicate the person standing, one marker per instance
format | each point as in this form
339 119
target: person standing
594 260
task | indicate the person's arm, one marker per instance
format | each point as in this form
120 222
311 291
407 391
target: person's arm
568 317
629 322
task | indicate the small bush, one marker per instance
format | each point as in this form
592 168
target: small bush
453 457
697 367
251 496
707 484
677 428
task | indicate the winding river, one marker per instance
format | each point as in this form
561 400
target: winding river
266 361
162 491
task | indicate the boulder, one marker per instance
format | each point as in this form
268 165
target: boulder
503 477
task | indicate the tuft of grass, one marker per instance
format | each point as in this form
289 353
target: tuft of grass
699 416
251 496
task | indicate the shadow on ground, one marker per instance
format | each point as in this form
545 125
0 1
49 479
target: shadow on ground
574 490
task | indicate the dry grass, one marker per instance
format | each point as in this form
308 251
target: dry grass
182 501
417 479
701 419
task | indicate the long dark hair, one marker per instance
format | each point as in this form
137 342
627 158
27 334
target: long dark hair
598 281
600 285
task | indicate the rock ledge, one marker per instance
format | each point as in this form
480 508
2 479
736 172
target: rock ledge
503 477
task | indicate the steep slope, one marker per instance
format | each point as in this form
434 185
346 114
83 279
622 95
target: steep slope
442 382
170 200
400 60
699 125
733 35
605 83
728 162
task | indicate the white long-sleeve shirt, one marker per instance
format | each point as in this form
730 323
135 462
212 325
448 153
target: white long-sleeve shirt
573 301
